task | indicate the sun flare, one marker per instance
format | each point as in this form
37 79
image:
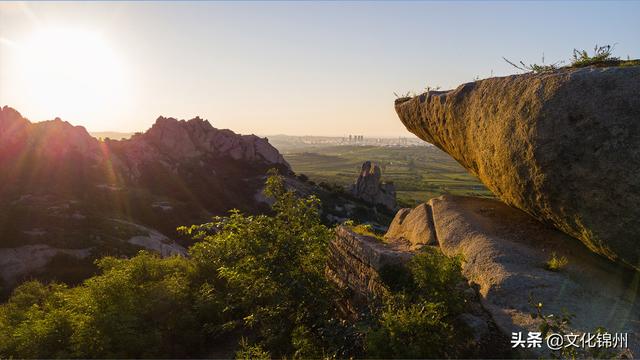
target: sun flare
74 72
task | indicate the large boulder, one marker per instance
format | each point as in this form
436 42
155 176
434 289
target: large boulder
563 146
412 227
370 187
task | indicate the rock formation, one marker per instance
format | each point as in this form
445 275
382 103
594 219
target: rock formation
505 255
412 227
172 141
356 260
63 191
506 252
563 146
370 188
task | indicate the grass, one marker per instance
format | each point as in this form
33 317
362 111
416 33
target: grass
601 56
556 263
536 68
366 230
419 172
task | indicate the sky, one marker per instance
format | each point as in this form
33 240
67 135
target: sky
297 68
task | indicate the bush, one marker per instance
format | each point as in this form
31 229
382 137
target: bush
411 330
137 308
417 319
556 263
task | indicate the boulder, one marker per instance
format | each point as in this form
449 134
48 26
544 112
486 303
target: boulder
562 146
370 188
413 227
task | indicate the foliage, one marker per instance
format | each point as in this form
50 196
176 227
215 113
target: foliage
408 94
411 330
536 68
137 308
556 263
552 324
272 271
260 276
417 318
248 351
601 55
362 229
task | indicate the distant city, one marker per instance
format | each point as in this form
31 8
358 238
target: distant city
351 140
283 141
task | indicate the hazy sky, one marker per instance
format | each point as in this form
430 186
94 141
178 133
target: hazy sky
315 68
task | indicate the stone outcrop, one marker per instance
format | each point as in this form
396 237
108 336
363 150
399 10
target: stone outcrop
505 254
16 263
355 262
412 228
370 188
174 140
359 263
563 146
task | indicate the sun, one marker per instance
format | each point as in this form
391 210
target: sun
71 72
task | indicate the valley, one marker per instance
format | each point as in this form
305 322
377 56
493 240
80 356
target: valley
418 172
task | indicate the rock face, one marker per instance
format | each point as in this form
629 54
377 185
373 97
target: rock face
355 262
370 188
505 253
412 227
562 146
173 140
16 263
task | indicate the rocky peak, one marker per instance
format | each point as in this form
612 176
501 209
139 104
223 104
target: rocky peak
197 137
12 124
47 138
370 188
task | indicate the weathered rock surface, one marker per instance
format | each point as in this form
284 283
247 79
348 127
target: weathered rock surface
16 263
562 146
370 188
505 255
412 227
506 251
355 262
171 141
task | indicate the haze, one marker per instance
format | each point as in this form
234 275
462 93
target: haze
308 68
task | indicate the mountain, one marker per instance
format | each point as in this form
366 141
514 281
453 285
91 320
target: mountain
68 198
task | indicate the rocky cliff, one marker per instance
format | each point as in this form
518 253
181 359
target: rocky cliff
563 146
